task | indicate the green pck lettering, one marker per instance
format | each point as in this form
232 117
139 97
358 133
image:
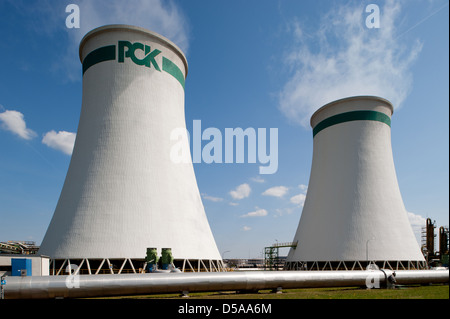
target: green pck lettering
147 61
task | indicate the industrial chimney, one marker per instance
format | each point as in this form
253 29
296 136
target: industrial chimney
354 214
122 192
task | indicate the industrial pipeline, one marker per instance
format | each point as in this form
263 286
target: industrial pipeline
84 286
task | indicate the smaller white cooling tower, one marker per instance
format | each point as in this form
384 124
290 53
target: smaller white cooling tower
354 213
123 193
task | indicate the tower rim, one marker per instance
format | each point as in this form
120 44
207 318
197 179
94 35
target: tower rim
115 27
351 98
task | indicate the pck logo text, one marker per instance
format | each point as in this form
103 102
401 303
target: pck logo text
149 56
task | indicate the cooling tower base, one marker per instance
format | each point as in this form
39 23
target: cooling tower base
98 266
357 265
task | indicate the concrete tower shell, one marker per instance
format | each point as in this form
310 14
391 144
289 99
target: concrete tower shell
353 211
122 192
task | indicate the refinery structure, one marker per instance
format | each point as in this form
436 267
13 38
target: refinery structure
133 217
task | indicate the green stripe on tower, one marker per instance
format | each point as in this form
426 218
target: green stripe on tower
108 53
352 116
173 70
99 55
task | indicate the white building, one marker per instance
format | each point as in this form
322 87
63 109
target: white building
122 192
39 265
354 213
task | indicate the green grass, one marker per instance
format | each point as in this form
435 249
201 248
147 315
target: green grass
403 292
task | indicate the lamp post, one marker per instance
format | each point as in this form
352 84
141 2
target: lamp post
226 251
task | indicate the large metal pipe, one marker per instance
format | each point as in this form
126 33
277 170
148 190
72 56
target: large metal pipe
80 286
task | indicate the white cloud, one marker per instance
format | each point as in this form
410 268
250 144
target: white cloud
257 179
164 17
256 213
277 191
212 198
62 141
284 211
345 58
303 187
242 191
14 122
246 228
298 199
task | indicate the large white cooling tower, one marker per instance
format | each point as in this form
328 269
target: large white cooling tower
122 192
354 213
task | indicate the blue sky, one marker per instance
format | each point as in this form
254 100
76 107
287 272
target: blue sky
252 64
